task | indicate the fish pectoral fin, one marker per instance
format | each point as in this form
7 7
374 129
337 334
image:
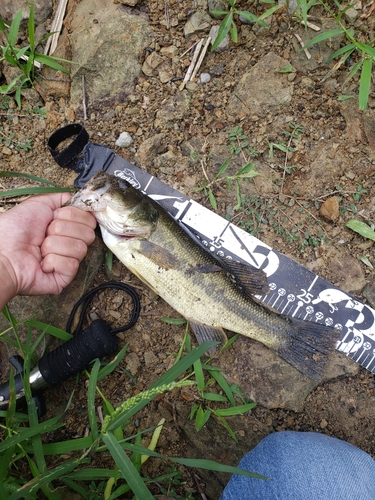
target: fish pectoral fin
205 333
158 255
247 278
309 347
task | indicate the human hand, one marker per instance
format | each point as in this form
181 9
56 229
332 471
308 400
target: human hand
41 245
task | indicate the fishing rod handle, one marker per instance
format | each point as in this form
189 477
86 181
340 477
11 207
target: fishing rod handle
70 358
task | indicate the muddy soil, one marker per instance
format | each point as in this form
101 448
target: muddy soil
331 154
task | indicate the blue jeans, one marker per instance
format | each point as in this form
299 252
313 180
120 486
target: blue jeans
304 466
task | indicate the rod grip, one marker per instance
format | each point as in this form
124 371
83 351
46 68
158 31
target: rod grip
70 358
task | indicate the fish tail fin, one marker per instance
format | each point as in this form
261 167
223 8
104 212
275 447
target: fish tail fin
310 346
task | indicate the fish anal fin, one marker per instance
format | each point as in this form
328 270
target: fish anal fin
159 255
205 333
247 278
309 348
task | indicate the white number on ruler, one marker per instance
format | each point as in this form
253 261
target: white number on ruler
305 296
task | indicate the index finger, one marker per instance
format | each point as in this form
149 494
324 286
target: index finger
73 214
52 200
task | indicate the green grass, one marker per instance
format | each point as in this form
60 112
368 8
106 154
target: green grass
25 57
32 464
228 24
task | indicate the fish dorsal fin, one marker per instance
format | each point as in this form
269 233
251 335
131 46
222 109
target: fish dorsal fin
158 255
247 278
205 333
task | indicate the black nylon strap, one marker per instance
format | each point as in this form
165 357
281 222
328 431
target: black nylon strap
68 155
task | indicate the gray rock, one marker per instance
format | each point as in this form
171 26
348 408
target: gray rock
347 272
132 363
261 88
124 140
204 78
151 64
369 294
320 52
131 3
269 380
200 4
217 69
42 9
292 5
217 5
198 22
351 14
173 109
106 43
224 44
150 148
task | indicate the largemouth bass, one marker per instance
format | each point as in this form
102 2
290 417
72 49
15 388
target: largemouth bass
154 247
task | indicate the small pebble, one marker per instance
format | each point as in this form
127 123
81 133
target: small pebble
204 78
330 209
124 140
323 423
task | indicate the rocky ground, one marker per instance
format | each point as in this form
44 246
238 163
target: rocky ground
314 151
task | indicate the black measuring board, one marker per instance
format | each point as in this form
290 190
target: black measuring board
294 290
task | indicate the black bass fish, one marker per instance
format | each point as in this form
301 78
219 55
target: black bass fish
154 247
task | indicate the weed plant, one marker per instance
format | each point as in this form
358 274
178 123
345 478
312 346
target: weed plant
238 145
24 58
228 24
292 221
355 49
31 465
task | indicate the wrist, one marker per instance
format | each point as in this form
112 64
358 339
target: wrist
8 288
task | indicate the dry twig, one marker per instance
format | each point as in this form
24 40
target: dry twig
56 28
192 64
307 53
84 98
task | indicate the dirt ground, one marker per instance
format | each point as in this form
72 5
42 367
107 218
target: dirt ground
333 155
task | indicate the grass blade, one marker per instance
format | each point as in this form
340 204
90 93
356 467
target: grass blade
224 385
236 410
34 190
343 50
199 377
364 84
51 62
112 365
11 173
223 168
35 484
367 49
126 467
225 25
323 36
64 447
14 28
212 465
31 28
27 433
91 399
361 228
51 330
168 377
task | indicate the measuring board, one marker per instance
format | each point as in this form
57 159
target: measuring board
294 290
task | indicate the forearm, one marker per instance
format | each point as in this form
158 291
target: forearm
7 286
